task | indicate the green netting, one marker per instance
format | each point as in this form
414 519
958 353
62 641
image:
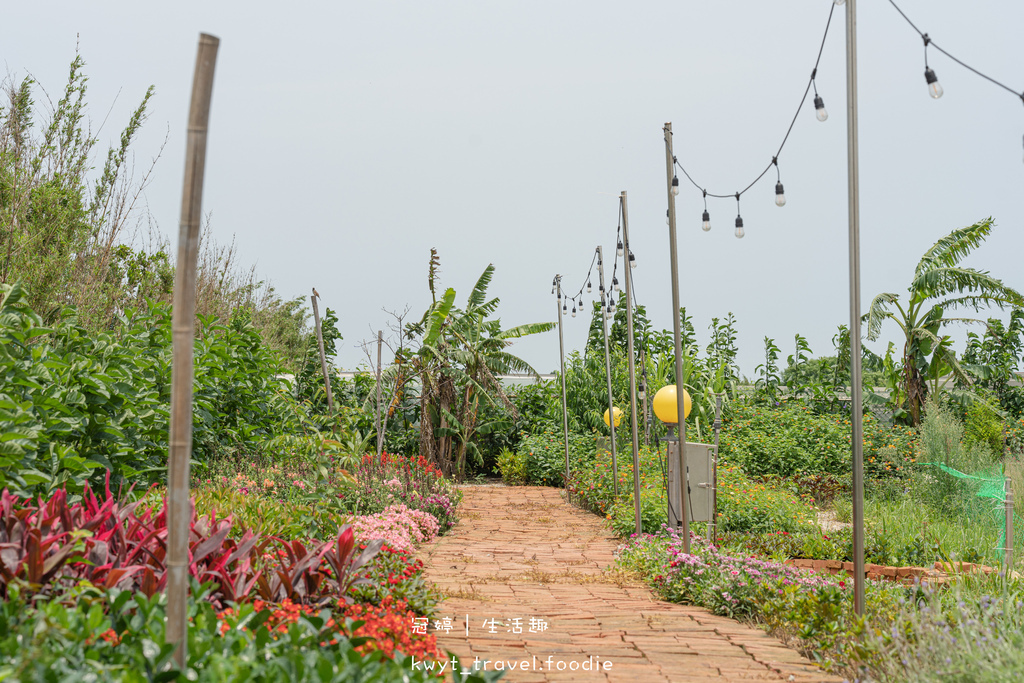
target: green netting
988 484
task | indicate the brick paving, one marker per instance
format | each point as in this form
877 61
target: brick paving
522 553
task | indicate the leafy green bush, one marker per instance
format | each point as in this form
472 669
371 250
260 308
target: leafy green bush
745 505
983 426
544 456
653 512
121 637
73 402
792 440
511 467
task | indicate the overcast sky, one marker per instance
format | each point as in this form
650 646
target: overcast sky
346 139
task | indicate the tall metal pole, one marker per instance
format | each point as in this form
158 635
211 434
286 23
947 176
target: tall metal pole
183 337
561 361
608 367
855 352
380 433
632 363
684 487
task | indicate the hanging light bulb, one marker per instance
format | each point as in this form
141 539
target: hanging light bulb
739 227
632 260
588 287
706 225
780 195
574 310
564 308
934 89
819 108
553 286
618 249
675 185
615 282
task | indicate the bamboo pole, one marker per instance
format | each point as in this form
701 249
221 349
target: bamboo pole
380 431
320 344
179 512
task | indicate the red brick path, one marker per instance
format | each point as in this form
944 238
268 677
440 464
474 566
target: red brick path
522 553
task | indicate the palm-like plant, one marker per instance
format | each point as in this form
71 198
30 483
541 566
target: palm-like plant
460 356
940 285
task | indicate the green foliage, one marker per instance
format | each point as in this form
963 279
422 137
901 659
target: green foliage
769 380
745 505
793 440
940 286
72 402
512 467
543 456
983 426
121 637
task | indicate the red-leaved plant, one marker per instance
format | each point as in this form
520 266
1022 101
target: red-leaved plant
45 543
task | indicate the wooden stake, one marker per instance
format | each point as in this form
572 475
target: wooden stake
179 511
323 358
380 423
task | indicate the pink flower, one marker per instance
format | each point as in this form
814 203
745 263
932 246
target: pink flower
300 484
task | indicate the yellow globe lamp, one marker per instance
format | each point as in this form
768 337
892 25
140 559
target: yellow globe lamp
666 406
618 416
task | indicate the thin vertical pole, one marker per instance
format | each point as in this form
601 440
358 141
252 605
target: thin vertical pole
857 418
684 486
561 361
713 526
380 431
608 368
323 358
1008 543
632 363
179 509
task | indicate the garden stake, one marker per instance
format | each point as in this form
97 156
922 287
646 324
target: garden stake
608 370
857 416
561 361
320 344
632 365
380 434
1008 552
713 524
183 337
683 502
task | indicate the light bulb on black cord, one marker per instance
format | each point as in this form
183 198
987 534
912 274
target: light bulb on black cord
934 89
739 219
618 249
588 287
574 311
632 260
564 308
819 108
552 286
615 282
780 195
706 225
675 186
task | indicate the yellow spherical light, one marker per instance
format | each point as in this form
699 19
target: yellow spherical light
666 406
618 417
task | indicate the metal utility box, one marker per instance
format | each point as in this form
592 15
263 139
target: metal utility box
699 473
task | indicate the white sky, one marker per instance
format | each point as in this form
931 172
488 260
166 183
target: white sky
347 139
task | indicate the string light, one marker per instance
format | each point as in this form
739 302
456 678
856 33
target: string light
934 89
739 219
574 309
780 194
589 289
675 185
780 197
706 218
618 249
632 259
819 104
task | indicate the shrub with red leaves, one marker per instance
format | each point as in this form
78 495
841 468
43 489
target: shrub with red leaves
43 543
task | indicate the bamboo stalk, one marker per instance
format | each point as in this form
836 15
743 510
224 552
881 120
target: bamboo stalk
179 512
323 358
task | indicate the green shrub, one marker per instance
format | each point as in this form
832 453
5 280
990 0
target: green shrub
512 467
792 440
745 505
653 513
983 426
544 456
